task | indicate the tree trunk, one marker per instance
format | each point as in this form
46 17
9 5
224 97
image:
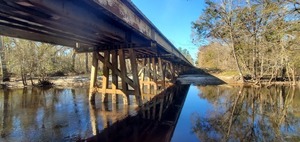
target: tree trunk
236 59
73 60
86 62
31 79
3 62
23 76
238 65
254 63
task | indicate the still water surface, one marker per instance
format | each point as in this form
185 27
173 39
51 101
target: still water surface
226 113
209 113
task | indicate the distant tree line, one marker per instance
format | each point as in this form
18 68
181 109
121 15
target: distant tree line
186 54
258 38
36 60
29 59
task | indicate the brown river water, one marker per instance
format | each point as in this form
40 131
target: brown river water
208 113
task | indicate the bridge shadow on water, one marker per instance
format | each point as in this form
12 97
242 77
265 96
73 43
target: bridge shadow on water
154 121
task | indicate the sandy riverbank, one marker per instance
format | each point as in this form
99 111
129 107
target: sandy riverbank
198 79
63 81
83 80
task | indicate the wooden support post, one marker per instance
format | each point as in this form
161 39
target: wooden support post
172 72
123 70
137 91
93 80
114 70
114 75
142 79
176 70
148 76
105 77
162 72
114 98
125 99
154 69
165 68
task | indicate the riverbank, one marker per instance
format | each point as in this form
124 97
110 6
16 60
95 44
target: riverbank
84 80
59 81
218 79
235 80
196 79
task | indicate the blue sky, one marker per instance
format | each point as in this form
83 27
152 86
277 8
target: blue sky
173 18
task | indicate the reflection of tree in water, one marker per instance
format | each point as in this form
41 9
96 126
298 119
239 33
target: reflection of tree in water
42 113
249 114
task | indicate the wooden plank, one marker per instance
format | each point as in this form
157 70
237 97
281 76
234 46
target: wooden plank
110 91
135 76
148 74
172 71
105 76
93 80
162 72
142 73
154 67
114 69
123 72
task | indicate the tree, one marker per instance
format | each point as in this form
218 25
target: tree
186 54
219 21
259 33
215 57
3 60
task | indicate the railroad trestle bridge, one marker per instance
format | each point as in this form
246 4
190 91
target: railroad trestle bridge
115 31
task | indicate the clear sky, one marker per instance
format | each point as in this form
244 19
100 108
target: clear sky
173 18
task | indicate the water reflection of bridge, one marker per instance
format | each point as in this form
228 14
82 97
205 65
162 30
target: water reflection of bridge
154 121
64 114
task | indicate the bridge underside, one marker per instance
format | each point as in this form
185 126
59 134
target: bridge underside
86 25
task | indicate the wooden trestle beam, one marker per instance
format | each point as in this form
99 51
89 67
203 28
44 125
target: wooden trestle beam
154 75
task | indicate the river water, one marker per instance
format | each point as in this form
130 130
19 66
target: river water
209 113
